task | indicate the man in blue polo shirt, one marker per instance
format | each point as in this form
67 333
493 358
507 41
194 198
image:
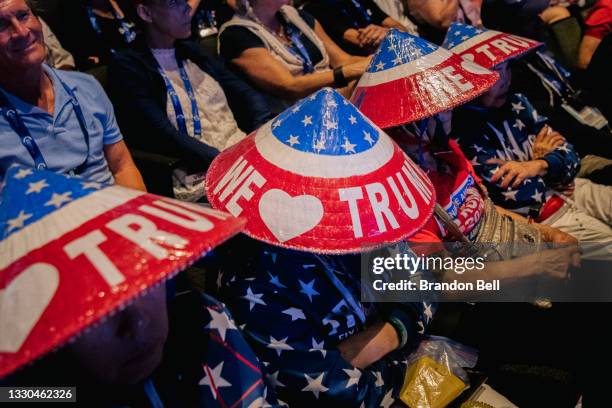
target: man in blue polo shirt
52 119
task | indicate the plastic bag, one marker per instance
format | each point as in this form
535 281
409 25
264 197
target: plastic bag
435 374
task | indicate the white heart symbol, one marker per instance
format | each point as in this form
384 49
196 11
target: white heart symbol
288 217
23 302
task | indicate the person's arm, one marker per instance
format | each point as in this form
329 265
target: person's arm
273 77
122 166
249 107
370 345
588 45
337 55
390 22
437 13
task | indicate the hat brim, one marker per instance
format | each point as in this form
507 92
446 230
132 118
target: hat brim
62 296
438 82
307 208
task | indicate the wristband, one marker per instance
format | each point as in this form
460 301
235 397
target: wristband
402 333
339 79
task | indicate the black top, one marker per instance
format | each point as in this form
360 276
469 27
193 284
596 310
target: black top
337 16
236 39
139 95
77 35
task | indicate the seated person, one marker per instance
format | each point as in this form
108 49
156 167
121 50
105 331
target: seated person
126 341
57 56
285 52
533 175
398 10
598 25
358 26
93 30
173 99
58 120
298 292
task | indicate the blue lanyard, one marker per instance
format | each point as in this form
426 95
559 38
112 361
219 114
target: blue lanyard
348 296
126 29
176 103
15 121
299 50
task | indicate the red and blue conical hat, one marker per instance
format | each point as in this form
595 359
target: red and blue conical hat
72 252
486 48
410 79
323 178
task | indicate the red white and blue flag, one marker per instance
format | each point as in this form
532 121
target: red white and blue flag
73 251
410 79
321 177
486 48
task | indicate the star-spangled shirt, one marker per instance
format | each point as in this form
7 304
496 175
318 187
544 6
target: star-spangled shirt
294 314
508 133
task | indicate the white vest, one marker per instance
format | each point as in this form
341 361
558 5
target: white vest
278 49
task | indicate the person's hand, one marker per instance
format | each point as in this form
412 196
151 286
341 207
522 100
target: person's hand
371 35
563 239
516 172
552 262
546 141
354 70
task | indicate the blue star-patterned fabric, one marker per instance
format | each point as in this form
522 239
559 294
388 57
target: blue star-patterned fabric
325 123
207 361
29 195
508 133
458 33
296 307
399 48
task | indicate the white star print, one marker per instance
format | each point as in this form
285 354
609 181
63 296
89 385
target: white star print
320 145
220 322
330 125
348 146
518 124
563 148
318 347
517 107
295 313
352 119
379 380
537 196
253 298
368 138
380 66
216 381
477 148
279 345
276 123
332 104
307 120
293 140
354 376
398 60
387 400
315 385
465 37
36 187
274 381
474 161
58 200
296 109
17 222
22 173
427 311
510 195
